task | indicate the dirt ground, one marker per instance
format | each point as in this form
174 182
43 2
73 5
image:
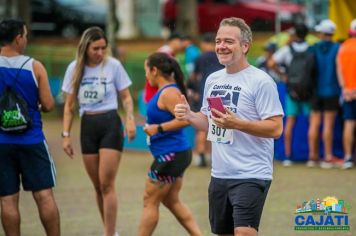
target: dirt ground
79 215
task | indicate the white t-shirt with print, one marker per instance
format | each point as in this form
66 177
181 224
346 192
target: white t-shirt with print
252 95
101 82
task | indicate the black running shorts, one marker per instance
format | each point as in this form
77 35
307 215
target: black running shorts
236 203
103 130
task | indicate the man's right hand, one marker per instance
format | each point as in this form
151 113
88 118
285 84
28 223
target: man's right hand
182 110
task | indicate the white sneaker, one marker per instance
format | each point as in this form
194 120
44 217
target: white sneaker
196 160
347 164
116 234
326 165
287 163
312 163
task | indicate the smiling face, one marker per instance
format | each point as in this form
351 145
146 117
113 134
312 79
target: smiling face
228 46
96 52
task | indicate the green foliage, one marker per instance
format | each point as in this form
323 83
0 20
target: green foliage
56 58
134 67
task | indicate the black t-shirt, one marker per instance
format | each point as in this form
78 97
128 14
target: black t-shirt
206 64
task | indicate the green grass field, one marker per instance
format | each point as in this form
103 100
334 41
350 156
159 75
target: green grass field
79 215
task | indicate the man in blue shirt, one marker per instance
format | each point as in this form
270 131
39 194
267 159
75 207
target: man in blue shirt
325 103
24 157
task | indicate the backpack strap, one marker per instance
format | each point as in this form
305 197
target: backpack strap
291 49
19 70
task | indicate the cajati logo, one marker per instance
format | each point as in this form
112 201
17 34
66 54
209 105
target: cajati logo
329 213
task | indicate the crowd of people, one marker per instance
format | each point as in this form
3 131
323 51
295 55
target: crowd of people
319 85
241 136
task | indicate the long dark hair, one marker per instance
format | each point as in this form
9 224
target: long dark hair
168 67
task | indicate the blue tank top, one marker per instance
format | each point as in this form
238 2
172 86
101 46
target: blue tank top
26 86
327 83
168 141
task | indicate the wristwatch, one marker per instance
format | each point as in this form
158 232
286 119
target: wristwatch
65 134
160 129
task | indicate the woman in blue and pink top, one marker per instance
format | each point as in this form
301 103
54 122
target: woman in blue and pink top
168 144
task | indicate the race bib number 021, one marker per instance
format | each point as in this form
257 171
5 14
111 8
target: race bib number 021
219 135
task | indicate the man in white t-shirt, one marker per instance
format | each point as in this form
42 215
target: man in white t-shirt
242 137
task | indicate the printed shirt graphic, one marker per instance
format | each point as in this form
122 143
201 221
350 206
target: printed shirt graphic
252 95
99 86
13 118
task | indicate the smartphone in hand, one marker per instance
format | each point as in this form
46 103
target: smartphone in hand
216 103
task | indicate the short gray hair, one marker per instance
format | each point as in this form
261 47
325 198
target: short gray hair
246 33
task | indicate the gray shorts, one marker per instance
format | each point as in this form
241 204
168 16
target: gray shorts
236 203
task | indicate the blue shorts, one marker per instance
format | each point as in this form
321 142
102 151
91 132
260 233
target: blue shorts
295 108
30 164
349 110
236 203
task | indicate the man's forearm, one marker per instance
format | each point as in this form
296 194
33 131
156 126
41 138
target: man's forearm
199 121
269 128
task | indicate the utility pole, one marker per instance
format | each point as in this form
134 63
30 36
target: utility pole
277 22
187 17
111 26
